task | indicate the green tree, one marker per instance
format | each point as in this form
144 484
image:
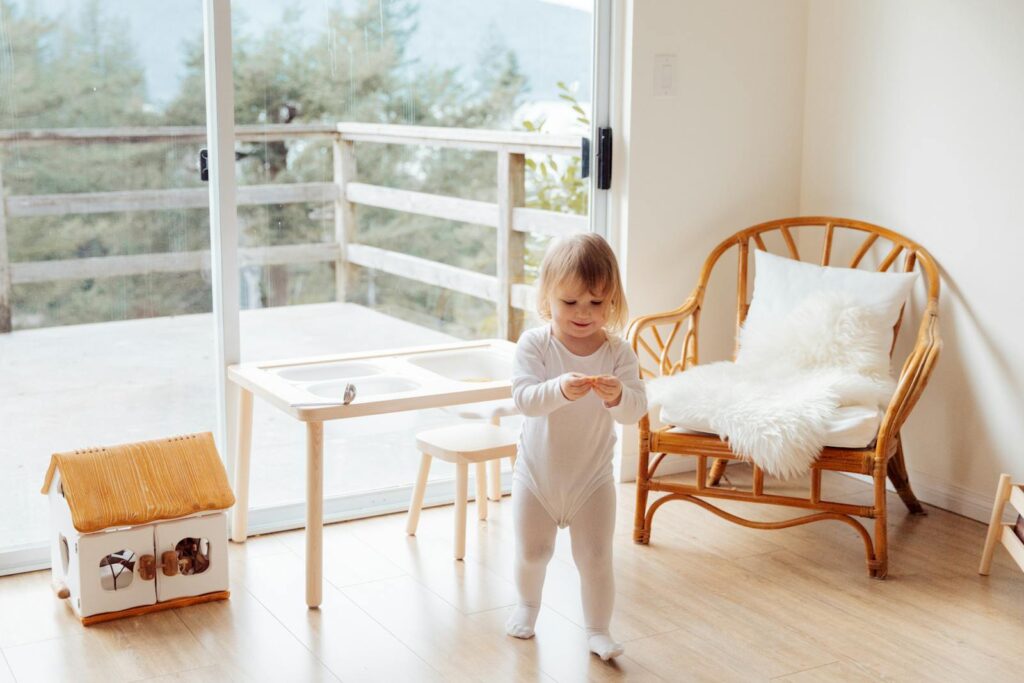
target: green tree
356 70
554 185
80 71
73 73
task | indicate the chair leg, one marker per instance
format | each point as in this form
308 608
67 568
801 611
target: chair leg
481 490
880 567
417 496
717 470
494 479
641 534
461 492
897 469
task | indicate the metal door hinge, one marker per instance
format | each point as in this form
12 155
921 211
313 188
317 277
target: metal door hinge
603 158
204 165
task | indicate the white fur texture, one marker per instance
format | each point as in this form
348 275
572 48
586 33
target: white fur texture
774 403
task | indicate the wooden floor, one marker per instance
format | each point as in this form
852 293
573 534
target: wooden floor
706 601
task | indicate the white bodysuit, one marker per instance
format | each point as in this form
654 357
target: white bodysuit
565 447
563 476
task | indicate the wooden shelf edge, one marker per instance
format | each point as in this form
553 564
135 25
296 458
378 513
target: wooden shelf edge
1013 545
1017 498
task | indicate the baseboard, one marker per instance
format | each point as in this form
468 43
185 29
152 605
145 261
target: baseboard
942 494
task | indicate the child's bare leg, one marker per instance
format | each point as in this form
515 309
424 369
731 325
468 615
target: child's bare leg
592 530
535 543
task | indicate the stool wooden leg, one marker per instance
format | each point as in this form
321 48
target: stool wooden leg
494 470
481 490
417 496
461 492
494 479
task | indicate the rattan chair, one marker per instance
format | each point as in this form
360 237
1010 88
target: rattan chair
658 348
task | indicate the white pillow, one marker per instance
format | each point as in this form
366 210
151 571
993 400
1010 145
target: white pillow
781 284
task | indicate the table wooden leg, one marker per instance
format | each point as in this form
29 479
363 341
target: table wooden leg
243 449
314 513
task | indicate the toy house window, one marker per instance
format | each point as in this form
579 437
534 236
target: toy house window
117 570
193 555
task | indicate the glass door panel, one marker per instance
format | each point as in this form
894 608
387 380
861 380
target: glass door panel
105 328
374 161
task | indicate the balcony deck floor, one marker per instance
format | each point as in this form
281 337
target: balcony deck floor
63 388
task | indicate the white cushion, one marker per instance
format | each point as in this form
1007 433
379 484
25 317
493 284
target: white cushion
781 284
852 427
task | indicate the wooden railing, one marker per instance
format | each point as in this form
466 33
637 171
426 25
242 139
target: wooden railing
508 215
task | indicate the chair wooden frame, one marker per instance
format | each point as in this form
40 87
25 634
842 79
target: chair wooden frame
880 460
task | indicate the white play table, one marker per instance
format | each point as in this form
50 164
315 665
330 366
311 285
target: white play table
310 390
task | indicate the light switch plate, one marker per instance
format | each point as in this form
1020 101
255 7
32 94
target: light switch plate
665 75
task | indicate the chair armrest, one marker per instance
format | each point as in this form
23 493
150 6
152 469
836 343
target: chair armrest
689 310
914 377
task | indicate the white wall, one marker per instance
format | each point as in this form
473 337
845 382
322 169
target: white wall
914 120
722 154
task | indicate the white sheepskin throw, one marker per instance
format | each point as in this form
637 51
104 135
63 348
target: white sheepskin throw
774 403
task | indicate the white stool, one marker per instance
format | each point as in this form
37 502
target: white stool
461 444
492 411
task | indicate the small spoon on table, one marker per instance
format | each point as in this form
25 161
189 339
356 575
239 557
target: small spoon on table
347 397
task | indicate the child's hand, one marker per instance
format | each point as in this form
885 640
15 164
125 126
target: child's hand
609 388
574 385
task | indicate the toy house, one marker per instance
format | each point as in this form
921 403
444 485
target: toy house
139 527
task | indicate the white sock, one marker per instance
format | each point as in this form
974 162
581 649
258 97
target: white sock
604 646
521 622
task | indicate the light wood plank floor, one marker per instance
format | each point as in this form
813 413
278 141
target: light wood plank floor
706 601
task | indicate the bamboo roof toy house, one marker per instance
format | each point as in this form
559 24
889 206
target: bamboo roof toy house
139 527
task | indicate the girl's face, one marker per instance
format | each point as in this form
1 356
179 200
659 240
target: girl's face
575 312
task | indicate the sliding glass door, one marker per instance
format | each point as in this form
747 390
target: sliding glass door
377 164
369 169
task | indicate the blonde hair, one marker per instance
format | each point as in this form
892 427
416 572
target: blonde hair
588 260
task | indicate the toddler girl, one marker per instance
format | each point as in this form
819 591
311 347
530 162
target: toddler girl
570 379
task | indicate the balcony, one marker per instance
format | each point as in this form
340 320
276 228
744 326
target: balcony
79 385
